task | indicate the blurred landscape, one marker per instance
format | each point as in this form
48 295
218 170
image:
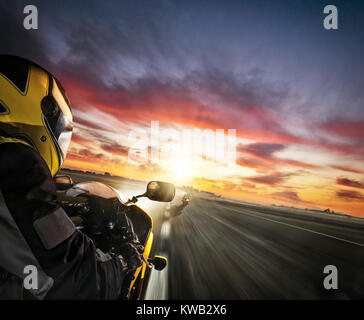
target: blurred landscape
220 248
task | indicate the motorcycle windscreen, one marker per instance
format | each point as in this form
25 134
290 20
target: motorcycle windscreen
93 188
142 223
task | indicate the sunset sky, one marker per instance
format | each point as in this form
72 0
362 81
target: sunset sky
292 90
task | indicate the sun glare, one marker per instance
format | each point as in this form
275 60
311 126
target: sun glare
181 171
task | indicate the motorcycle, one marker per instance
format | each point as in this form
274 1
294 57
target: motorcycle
177 210
110 220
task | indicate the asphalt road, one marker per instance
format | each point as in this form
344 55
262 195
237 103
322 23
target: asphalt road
224 250
220 249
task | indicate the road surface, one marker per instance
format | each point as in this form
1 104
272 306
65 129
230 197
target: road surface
223 249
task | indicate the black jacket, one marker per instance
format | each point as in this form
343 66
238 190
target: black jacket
78 269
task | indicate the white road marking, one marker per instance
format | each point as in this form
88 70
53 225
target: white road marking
165 230
158 280
297 227
166 214
158 284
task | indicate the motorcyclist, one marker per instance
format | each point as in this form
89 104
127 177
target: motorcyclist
35 132
186 200
178 209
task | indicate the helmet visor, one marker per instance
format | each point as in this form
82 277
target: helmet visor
62 134
58 115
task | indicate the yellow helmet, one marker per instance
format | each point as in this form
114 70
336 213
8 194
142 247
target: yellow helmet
34 108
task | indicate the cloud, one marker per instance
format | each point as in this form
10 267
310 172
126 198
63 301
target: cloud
348 169
346 136
248 185
271 179
350 195
90 125
134 78
345 128
256 164
349 183
288 195
115 148
165 99
78 138
85 154
262 150
261 157
295 163
89 154
151 168
144 74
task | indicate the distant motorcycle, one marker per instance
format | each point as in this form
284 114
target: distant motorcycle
110 220
177 210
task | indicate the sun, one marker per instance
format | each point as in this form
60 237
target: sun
180 171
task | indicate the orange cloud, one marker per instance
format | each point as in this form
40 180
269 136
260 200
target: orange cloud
347 169
350 195
349 183
271 179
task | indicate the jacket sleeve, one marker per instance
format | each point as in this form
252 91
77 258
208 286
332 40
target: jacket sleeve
78 269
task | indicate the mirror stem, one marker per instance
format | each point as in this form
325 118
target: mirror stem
135 198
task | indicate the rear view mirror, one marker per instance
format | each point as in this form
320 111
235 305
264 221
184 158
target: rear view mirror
160 191
158 262
63 182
